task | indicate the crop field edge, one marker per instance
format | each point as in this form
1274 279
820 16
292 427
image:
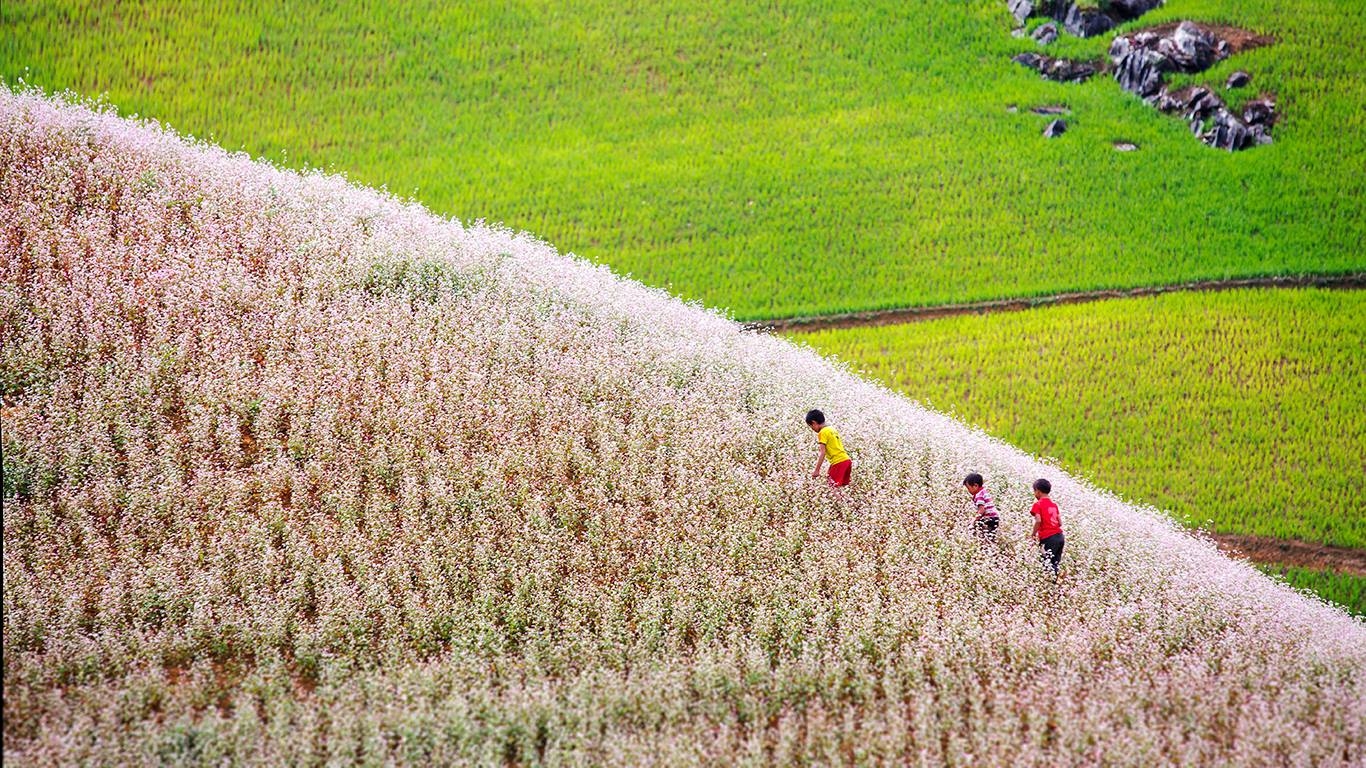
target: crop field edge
1345 280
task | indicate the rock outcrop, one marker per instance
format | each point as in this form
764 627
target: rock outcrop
1141 61
1187 48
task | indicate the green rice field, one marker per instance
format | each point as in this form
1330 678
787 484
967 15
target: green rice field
1344 589
1242 411
773 160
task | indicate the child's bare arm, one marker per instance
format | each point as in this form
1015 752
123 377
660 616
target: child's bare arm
820 459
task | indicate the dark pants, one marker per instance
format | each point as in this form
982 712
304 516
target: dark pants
985 527
1052 551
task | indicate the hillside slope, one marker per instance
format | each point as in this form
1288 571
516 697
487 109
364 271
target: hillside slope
295 472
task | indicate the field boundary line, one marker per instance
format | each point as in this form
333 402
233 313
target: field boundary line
901 315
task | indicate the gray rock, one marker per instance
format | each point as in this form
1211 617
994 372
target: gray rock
1238 79
1046 34
1086 23
1055 129
1140 72
1020 9
1228 132
1259 112
1189 48
1059 70
1068 71
1200 103
1125 146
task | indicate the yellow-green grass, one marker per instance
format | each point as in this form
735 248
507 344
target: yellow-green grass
1243 411
777 160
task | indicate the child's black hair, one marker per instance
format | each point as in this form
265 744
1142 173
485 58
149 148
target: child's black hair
974 479
1043 486
814 416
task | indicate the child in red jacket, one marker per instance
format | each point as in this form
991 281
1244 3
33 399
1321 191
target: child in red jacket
1047 526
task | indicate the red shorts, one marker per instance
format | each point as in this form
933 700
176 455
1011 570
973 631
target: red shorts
839 473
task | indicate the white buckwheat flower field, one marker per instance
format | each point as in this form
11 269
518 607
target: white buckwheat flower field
298 473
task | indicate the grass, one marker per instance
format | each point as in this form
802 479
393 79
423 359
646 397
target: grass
1344 589
773 160
312 477
1243 410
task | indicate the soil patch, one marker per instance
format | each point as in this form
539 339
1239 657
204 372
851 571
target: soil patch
1303 554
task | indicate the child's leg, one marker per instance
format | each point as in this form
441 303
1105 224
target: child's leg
1052 552
985 528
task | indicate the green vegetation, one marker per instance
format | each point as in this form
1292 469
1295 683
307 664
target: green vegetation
1245 409
774 160
1344 589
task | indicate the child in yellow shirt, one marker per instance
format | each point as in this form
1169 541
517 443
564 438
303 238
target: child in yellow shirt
831 449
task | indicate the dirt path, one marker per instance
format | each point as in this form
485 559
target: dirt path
1319 557
914 314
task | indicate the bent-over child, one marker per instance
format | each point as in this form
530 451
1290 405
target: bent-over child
831 449
987 520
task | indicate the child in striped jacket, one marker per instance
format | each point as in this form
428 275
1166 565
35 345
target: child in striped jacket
987 521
